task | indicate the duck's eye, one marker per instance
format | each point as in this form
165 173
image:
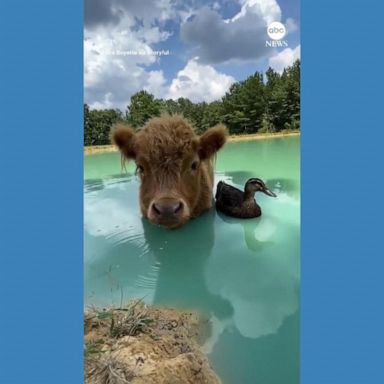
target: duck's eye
139 169
194 165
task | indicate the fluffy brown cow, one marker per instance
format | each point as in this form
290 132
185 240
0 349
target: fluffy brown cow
175 167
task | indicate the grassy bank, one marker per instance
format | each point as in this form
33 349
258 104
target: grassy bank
233 138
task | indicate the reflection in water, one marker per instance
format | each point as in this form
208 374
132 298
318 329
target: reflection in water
272 359
182 256
262 286
289 187
257 232
242 274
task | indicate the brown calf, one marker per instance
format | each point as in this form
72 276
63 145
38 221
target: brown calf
175 167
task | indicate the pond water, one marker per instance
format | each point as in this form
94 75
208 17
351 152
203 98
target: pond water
244 275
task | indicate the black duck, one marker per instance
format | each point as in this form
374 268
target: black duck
233 202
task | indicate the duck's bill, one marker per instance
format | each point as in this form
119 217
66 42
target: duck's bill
269 192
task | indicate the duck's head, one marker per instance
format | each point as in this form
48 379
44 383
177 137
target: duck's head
257 185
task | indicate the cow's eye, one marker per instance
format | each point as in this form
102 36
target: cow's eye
194 165
139 169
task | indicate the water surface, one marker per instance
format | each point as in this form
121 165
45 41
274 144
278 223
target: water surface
242 274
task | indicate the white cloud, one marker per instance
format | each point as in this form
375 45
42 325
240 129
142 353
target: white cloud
242 37
156 83
284 59
199 83
290 25
116 25
112 74
114 29
112 12
268 10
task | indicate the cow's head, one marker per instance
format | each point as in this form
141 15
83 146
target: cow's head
174 166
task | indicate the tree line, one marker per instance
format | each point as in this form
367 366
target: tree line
250 106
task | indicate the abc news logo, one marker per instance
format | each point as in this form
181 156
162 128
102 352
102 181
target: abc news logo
276 31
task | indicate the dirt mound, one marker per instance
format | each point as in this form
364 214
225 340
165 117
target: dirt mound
140 344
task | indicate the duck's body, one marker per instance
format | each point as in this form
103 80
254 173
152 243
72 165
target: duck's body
233 202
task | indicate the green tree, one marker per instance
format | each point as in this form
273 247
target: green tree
244 105
249 106
212 115
143 106
87 126
293 95
282 94
171 106
98 123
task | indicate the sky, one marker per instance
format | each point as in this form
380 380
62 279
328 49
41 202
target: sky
177 48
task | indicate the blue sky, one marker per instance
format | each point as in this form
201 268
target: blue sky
211 44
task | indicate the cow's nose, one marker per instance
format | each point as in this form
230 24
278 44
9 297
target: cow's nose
167 208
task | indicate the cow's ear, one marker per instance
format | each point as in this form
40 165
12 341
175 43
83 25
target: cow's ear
212 140
123 137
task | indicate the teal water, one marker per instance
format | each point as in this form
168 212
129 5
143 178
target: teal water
244 275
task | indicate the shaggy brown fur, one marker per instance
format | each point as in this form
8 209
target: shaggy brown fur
175 167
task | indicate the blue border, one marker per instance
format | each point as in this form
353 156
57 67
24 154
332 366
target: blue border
41 160
41 136
342 166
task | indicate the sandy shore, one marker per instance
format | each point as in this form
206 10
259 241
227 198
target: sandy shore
142 344
257 136
262 136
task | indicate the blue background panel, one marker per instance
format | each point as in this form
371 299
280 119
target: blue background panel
342 178
41 158
41 273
